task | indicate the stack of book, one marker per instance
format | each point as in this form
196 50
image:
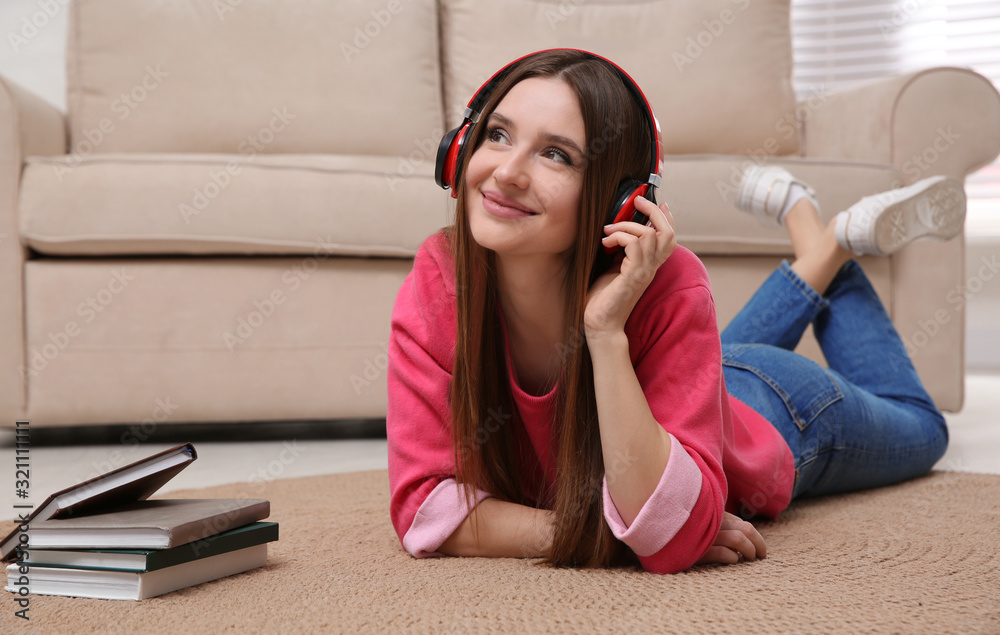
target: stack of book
103 539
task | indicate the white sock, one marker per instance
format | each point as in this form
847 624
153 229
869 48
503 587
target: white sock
796 193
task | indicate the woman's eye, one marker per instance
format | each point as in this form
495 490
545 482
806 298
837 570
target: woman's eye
558 155
496 135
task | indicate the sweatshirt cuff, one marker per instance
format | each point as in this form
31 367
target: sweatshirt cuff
667 509
439 516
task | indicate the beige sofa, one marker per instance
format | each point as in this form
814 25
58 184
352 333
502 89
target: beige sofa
216 229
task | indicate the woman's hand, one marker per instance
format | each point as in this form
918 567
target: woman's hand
736 538
613 296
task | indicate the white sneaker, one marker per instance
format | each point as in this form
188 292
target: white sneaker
764 191
879 225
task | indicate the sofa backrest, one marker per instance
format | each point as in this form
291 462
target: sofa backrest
718 73
247 76
352 77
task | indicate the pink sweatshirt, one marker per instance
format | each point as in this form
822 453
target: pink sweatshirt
723 455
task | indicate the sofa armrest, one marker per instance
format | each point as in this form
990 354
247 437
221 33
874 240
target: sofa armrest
28 126
937 121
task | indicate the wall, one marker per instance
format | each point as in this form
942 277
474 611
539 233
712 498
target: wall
33 49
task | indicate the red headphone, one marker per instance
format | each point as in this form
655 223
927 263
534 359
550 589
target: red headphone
453 145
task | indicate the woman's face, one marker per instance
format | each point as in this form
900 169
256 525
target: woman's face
524 182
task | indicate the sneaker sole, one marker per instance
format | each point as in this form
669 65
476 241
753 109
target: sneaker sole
936 213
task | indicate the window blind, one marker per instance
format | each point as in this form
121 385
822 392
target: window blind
841 43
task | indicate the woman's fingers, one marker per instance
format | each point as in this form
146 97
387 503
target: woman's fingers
737 538
719 555
662 223
758 541
738 541
659 234
749 533
729 547
659 221
626 234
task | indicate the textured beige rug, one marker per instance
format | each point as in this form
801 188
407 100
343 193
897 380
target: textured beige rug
921 557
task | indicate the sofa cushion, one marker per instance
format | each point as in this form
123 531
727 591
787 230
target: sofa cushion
229 204
166 76
718 73
372 206
220 339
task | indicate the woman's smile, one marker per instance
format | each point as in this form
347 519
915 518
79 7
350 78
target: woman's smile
503 206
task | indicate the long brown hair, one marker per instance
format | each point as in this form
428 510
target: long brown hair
484 417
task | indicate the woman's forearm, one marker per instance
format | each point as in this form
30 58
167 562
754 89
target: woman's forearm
499 529
636 447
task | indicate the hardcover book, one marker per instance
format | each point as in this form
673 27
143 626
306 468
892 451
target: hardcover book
150 524
129 483
131 585
142 560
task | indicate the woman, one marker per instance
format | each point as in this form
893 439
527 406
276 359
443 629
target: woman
542 407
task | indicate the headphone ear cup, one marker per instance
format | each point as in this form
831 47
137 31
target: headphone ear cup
449 157
441 174
624 206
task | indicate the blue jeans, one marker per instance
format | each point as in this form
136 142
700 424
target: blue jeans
863 422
